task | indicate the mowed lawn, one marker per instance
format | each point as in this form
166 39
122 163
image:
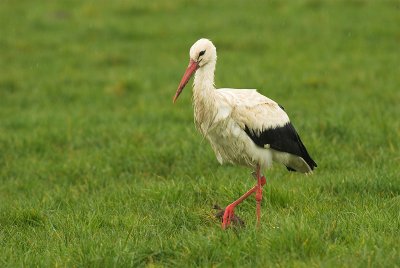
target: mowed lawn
98 168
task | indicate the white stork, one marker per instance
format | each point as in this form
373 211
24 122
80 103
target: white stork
242 126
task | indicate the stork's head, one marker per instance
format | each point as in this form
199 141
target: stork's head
201 53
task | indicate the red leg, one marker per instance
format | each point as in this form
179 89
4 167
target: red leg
229 210
260 182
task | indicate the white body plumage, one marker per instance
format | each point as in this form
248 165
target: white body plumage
221 115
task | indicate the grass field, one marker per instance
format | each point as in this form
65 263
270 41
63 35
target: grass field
99 169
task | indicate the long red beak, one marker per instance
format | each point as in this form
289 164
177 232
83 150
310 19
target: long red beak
191 69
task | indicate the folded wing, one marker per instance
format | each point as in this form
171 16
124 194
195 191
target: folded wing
268 126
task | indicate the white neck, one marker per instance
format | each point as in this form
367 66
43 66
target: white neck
203 84
204 97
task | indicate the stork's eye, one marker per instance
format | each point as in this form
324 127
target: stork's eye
202 53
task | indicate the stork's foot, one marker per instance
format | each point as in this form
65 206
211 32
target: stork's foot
227 217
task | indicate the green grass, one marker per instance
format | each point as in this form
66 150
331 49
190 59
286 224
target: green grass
98 168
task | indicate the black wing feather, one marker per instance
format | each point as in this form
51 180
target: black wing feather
283 139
